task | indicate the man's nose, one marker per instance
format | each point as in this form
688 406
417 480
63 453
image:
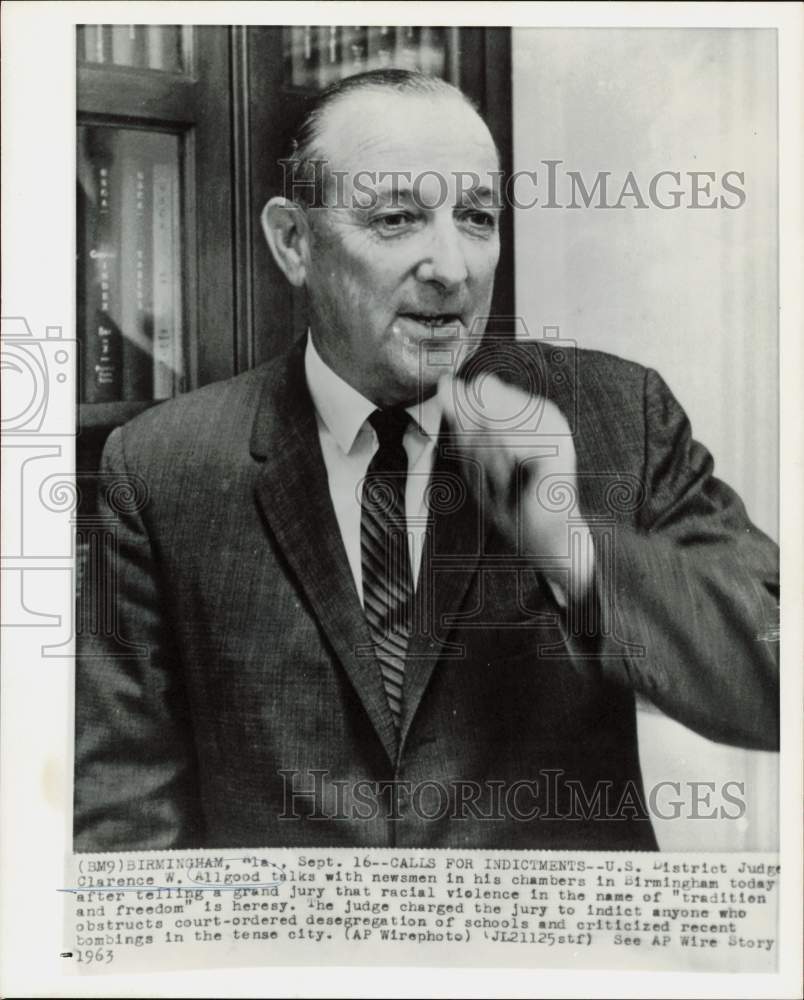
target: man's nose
445 263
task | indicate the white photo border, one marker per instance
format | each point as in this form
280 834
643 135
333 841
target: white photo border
38 142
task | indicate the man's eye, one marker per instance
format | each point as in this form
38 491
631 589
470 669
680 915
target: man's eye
479 219
393 221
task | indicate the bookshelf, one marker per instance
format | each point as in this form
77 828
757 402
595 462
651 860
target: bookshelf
179 130
154 250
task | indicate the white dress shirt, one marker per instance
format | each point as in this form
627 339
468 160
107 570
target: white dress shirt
348 443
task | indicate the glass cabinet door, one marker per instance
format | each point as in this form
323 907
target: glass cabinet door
129 264
181 131
316 56
145 46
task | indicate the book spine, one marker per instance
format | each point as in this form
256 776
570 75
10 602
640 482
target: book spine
302 56
355 50
85 232
135 280
140 46
381 46
102 347
162 46
166 278
154 45
178 279
329 68
407 42
432 51
124 39
173 60
96 43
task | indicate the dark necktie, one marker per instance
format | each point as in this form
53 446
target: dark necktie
387 579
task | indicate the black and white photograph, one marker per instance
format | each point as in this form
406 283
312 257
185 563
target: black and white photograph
393 566
415 494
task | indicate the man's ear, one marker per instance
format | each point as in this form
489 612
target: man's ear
288 234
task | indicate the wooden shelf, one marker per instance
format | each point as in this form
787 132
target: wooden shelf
126 93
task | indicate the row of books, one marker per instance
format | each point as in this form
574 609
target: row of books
149 46
320 55
129 265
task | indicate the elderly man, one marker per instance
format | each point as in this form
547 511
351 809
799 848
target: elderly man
399 586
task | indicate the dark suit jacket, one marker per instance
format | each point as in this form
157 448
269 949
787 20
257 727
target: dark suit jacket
236 700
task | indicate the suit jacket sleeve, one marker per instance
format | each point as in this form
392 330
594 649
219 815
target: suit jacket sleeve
689 592
135 774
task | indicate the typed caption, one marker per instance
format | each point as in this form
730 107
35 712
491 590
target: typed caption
682 912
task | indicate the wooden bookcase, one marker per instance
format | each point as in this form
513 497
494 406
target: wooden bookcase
231 100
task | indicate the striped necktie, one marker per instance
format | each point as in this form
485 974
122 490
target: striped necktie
387 579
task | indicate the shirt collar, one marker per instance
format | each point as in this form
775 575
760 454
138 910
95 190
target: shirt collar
427 416
344 410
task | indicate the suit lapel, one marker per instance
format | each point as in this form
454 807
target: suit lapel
293 493
458 532
455 540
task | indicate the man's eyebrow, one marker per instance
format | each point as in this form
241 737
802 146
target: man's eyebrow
394 192
404 192
483 193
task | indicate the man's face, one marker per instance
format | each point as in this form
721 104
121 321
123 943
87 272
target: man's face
405 248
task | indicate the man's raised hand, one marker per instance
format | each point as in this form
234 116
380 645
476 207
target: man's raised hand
523 455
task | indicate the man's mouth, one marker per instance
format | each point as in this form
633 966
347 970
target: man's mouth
433 319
